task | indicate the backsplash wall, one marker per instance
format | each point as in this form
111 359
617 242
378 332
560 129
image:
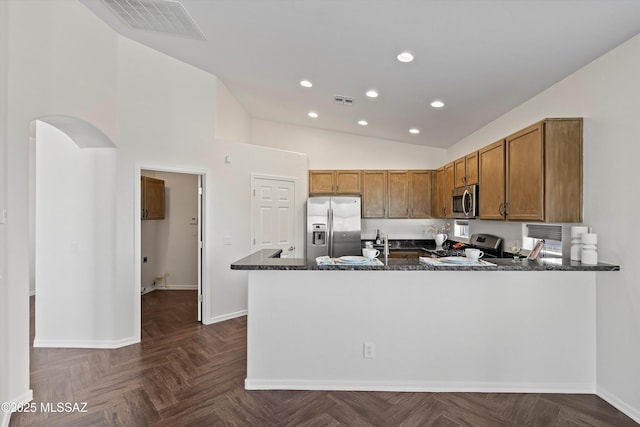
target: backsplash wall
403 229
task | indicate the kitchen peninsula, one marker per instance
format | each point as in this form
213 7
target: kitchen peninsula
407 326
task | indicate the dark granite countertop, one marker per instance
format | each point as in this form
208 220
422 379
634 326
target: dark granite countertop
267 259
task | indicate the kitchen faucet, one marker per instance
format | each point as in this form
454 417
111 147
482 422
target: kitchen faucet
385 237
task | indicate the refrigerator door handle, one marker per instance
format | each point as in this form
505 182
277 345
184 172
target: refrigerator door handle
330 227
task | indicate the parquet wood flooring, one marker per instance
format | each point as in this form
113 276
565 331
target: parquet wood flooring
187 374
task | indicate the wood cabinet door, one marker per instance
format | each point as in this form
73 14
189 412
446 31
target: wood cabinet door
398 194
348 182
152 198
449 176
459 173
321 181
525 186
471 168
420 194
438 194
563 170
491 160
374 194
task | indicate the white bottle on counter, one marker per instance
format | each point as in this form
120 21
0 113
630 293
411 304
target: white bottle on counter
576 241
589 252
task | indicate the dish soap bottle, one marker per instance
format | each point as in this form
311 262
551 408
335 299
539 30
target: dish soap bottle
378 239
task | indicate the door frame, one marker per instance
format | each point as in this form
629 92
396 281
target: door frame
204 284
296 232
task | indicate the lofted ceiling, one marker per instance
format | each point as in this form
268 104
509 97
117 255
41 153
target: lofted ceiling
481 57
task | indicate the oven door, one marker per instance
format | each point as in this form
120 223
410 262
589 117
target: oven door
463 202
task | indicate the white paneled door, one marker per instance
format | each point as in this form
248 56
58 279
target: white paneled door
274 215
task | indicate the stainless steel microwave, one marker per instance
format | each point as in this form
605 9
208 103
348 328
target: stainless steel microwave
464 202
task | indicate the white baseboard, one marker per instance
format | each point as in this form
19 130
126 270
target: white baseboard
414 386
177 288
224 317
619 404
5 417
105 344
148 289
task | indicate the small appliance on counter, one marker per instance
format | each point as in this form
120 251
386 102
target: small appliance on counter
333 226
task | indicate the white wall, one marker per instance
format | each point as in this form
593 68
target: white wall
52 70
160 113
232 122
170 244
9 350
605 93
230 214
338 150
432 331
75 238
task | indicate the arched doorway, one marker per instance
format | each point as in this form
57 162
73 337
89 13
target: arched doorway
73 231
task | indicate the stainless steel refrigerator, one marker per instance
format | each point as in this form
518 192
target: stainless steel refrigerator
333 226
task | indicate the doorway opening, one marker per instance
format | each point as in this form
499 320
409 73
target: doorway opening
171 233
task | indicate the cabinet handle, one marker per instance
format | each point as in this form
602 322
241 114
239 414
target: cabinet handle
501 209
506 209
407 211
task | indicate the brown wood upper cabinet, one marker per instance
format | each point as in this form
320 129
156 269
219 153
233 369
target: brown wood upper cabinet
544 172
466 170
534 174
449 176
374 194
152 198
409 194
444 184
335 182
438 202
420 185
492 181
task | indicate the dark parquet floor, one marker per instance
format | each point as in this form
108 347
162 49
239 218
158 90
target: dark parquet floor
187 374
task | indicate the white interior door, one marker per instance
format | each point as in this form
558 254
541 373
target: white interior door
274 215
200 244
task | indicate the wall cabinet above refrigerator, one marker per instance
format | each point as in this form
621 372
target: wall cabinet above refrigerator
335 182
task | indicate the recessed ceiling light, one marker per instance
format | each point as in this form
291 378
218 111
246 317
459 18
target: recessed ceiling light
362 122
437 104
405 57
372 93
306 83
313 114
414 131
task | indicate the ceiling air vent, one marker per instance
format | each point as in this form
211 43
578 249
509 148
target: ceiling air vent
343 100
163 16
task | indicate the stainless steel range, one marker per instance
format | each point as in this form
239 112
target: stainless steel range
491 246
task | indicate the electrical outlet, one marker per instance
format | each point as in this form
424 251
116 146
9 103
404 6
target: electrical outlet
369 350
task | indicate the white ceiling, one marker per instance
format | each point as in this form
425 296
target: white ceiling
482 57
